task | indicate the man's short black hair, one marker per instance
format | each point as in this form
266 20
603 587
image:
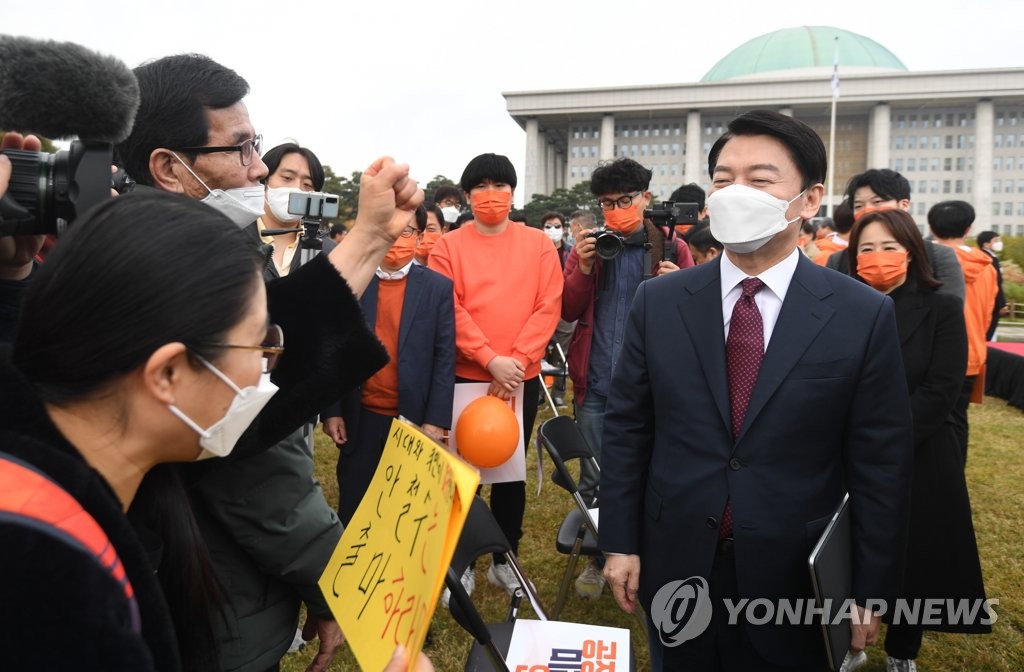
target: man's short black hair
274 156
887 184
462 219
951 219
337 229
986 237
802 142
700 237
621 176
174 94
551 214
689 193
446 191
494 167
432 207
421 217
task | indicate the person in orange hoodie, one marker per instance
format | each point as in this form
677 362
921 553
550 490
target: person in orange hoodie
842 222
508 299
950 221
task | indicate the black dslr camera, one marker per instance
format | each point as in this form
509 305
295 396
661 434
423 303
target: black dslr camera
609 243
48 191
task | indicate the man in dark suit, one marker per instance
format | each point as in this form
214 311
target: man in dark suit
712 469
412 311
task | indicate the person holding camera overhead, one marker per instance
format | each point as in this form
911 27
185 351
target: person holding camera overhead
598 293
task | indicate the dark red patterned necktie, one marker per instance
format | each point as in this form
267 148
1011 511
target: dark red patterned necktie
744 350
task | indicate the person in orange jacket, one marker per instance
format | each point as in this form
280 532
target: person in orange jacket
950 221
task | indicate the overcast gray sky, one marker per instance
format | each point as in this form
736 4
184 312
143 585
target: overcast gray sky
422 81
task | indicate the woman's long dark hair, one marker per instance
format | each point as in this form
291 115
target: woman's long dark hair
140 271
904 230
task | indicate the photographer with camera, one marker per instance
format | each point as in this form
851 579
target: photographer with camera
262 514
599 287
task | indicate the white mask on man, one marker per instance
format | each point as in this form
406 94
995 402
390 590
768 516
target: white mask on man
277 200
744 219
242 205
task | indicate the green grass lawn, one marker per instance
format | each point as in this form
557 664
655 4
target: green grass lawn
995 474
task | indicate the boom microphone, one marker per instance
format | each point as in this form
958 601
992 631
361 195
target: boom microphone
61 89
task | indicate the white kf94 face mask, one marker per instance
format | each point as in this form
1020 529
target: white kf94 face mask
219 439
277 199
743 218
242 205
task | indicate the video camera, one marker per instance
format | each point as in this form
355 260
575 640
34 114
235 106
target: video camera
314 206
608 244
48 191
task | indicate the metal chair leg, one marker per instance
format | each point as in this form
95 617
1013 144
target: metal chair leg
570 570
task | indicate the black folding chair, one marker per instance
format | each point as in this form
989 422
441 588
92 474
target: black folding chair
577 535
481 535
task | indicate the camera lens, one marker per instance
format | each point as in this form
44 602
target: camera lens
608 245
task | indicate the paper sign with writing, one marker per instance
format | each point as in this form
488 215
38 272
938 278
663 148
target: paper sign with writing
550 646
384 578
515 468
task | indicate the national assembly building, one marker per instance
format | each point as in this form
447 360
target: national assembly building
955 134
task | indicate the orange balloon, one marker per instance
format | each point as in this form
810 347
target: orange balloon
487 432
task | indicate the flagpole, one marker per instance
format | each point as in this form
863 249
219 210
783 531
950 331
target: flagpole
832 129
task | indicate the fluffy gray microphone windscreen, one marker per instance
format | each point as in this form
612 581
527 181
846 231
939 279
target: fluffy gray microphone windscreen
62 89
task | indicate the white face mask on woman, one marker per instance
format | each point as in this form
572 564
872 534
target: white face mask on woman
219 439
242 205
743 218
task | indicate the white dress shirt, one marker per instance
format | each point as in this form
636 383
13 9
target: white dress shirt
768 300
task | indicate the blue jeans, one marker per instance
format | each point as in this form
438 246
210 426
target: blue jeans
590 419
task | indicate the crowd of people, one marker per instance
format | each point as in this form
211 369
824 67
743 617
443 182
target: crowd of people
196 318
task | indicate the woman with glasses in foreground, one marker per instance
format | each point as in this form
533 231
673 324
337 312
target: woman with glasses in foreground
144 339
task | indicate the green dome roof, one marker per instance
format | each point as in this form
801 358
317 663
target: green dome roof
803 47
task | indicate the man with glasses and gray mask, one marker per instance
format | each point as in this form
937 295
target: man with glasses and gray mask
263 516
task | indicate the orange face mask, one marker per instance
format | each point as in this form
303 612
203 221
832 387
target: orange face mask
882 269
426 244
625 220
401 252
682 229
491 207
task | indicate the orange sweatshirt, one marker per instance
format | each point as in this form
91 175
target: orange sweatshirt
826 247
979 300
380 392
508 295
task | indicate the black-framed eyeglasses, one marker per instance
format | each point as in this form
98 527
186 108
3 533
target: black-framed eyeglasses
272 346
246 149
621 201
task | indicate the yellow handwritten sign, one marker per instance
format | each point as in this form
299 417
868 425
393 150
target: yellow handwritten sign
384 578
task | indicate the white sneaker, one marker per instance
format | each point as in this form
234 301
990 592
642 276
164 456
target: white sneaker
853 661
297 642
501 575
590 582
468 581
900 664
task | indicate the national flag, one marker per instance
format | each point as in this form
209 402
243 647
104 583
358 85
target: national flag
835 72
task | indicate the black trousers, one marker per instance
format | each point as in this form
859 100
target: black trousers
358 460
959 415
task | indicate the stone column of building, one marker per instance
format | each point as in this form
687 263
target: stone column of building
559 170
693 169
878 143
607 146
981 193
533 181
549 169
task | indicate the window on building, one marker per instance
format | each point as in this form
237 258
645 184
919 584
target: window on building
935 165
950 119
997 140
643 150
901 121
997 186
938 121
970 142
707 149
947 186
995 209
597 132
922 187
572 172
584 172
963 119
594 151
911 164
575 151
947 163
675 148
926 121
933 186
1020 162
936 142
1020 208
959 163
647 131
1011 139
1020 186
999 118
675 169
913 121
897 142
897 165
1007 208
708 128
958 186
657 130
1013 118
997 163
970 163
1020 229
911 142
922 208
576 132
675 129
585 133
1009 186
949 142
